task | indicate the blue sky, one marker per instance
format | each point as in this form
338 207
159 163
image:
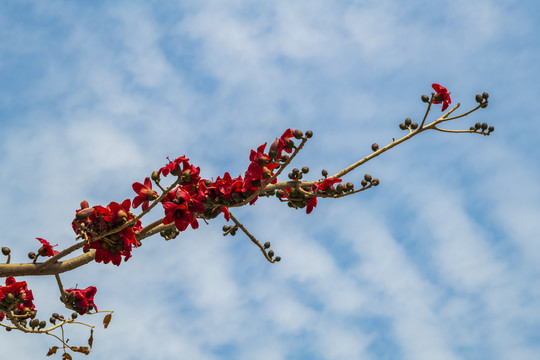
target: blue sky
441 261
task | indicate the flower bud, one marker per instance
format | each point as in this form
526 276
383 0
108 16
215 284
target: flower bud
364 183
263 161
425 98
477 126
5 250
402 126
278 259
155 176
438 97
186 176
324 172
491 129
84 213
414 126
267 244
121 216
375 182
484 126
375 147
42 324
42 251
367 177
484 105
273 149
31 255
485 95
266 172
297 134
309 134
479 98
305 169
271 254
289 144
10 298
408 121
284 158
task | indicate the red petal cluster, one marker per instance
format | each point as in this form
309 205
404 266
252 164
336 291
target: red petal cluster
80 300
196 196
90 221
144 194
180 208
442 96
48 248
16 297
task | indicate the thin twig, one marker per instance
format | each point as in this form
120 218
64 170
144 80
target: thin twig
252 238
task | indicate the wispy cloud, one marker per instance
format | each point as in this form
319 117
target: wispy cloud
438 262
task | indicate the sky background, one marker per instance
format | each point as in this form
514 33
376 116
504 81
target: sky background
441 261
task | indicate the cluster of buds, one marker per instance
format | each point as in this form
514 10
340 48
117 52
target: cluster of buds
229 230
482 99
408 124
271 252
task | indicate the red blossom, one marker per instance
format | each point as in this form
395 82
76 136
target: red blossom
173 167
81 300
48 248
180 208
226 213
326 183
20 300
145 194
442 96
311 204
99 219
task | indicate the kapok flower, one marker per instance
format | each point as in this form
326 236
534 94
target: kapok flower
311 204
326 183
16 297
99 219
80 300
144 194
442 96
179 208
173 167
47 248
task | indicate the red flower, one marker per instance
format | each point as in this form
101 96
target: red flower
326 183
226 213
81 301
173 167
442 96
179 209
144 194
47 248
99 219
311 204
20 300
